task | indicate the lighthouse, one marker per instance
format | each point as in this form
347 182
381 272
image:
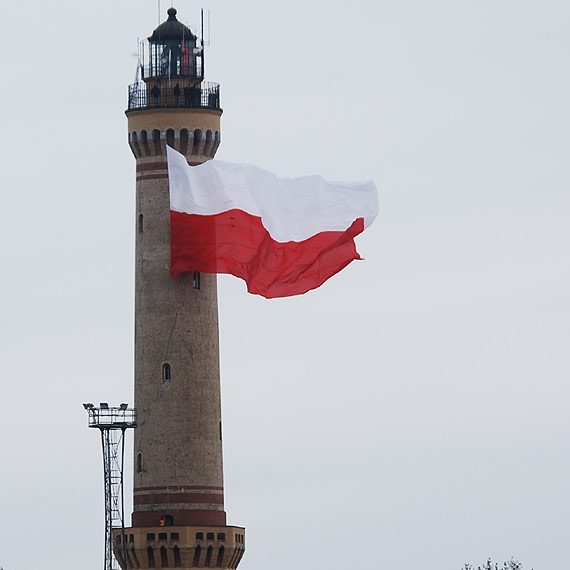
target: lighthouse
178 518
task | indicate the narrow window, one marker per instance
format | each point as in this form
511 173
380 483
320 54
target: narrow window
163 557
197 141
220 559
150 556
177 560
139 465
208 560
131 537
184 141
166 375
197 552
170 138
144 139
196 280
220 431
135 559
135 145
140 223
156 141
208 145
120 559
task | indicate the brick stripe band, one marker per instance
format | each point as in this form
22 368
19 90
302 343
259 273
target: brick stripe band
162 165
181 518
188 498
152 176
185 488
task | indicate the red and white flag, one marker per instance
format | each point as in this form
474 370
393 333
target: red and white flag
282 236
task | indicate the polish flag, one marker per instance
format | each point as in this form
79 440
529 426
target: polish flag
282 236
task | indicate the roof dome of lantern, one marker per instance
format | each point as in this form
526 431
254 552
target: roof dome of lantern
172 29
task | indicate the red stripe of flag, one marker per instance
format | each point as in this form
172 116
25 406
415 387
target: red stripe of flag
235 242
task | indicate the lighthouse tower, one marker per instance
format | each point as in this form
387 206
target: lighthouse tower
179 519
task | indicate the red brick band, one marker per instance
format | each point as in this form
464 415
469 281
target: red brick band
152 176
181 518
146 166
162 165
190 498
185 488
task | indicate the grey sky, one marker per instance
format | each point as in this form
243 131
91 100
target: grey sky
411 413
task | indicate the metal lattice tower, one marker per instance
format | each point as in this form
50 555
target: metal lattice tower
113 423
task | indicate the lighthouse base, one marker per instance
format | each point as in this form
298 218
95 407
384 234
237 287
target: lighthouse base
182 547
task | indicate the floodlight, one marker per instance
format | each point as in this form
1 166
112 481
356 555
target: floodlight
123 406
104 405
87 406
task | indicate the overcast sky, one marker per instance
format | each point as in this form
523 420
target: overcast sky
412 413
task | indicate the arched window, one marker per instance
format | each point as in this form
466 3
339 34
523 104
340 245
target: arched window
170 138
210 536
139 465
144 141
166 374
208 146
197 552
135 144
150 556
197 141
162 536
199 536
216 142
119 556
220 559
184 141
156 141
208 560
136 564
221 536
177 560
163 557
196 280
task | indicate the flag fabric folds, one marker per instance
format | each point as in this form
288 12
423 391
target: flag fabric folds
282 236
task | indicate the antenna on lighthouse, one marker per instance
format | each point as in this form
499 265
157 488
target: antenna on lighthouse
205 39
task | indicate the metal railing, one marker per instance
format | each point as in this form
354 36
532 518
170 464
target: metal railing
204 96
105 417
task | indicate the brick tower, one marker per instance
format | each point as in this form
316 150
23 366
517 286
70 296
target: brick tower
179 519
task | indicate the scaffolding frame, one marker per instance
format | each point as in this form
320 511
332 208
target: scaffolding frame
113 422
